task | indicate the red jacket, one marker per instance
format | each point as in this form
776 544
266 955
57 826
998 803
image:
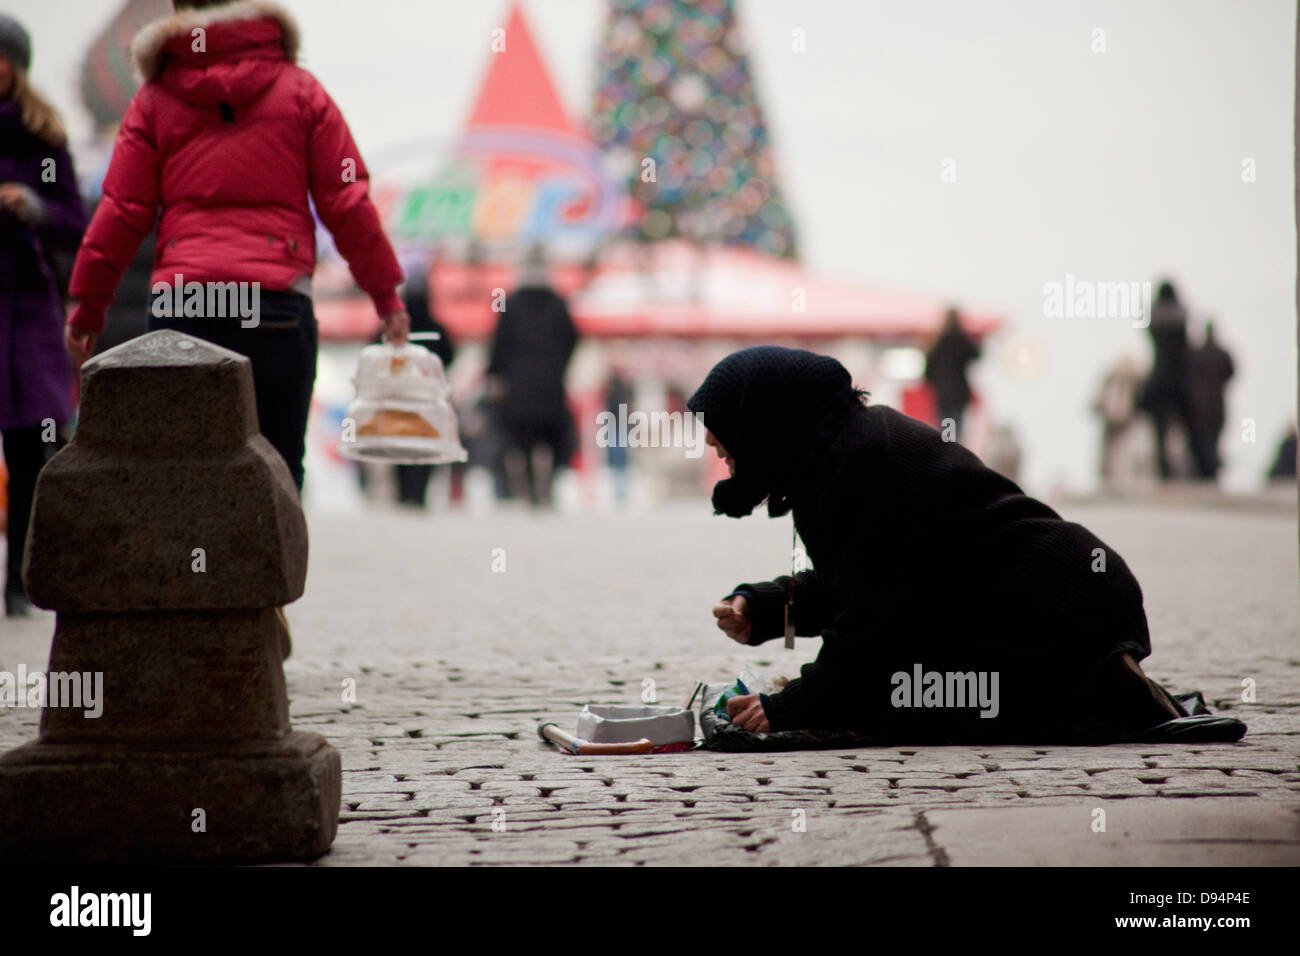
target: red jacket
230 140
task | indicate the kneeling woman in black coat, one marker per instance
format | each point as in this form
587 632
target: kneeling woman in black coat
951 606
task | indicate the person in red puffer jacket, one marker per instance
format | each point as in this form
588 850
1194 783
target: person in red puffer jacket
230 139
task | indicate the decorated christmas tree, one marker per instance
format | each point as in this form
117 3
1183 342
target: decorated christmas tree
107 79
677 114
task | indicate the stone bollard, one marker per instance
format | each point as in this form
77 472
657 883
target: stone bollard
165 535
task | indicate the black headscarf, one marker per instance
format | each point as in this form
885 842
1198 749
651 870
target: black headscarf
774 410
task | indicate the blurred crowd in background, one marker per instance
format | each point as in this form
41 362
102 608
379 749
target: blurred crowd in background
635 247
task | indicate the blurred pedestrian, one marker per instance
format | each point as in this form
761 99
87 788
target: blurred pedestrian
618 394
1116 405
534 340
1004 453
41 218
482 434
1209 368
230 138
1164 395
413 480
236 144
945 369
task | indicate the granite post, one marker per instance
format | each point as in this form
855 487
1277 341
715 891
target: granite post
165 535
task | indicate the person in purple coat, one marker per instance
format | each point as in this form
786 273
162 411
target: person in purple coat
41 217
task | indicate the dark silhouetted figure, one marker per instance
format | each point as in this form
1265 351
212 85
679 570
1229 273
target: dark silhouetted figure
413 480
1208 370
885 508
618 391
1164 396
534 340
945 371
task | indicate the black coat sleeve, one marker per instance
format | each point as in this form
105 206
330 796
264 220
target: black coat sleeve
65 213
767 606
856 578
821 696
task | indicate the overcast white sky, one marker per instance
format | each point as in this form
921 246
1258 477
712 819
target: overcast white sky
1114 166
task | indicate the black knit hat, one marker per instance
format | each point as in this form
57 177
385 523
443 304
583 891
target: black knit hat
768 406
15 43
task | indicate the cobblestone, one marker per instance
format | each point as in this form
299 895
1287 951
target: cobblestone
454 666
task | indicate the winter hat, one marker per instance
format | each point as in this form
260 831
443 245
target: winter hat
773 409
15 43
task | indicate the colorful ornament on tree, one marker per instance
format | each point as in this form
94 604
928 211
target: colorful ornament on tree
676 112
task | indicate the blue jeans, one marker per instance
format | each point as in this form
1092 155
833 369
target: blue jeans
282 349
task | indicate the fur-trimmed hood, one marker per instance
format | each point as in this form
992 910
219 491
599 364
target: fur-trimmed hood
152 46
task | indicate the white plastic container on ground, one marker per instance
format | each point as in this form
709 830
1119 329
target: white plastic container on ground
661 724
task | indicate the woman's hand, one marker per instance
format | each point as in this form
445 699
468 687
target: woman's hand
396 327
747 713
22 201
733 618
80 345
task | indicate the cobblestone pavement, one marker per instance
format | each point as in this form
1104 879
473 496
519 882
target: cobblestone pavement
455 663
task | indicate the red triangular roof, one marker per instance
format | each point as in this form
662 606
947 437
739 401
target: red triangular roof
517 90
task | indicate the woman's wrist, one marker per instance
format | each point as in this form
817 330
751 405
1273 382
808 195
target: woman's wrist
35 214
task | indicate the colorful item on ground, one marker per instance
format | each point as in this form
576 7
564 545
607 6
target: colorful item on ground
737 689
